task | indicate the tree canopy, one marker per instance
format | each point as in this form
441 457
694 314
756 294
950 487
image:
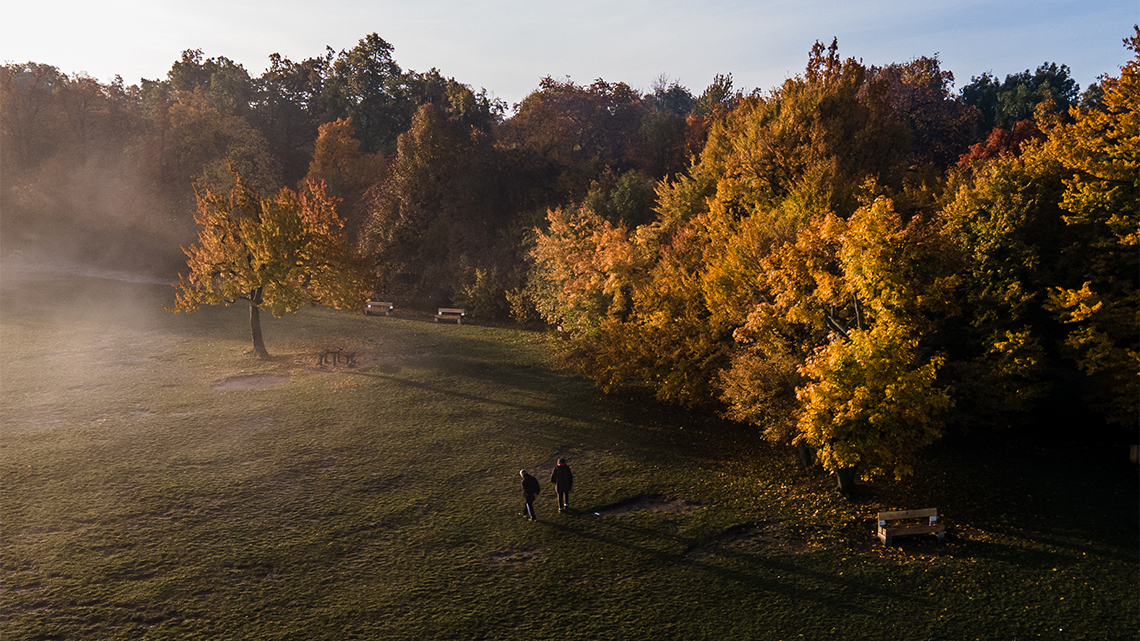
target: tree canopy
855 262
281 253
845 267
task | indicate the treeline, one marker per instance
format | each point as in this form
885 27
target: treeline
848 261
81 156
860 257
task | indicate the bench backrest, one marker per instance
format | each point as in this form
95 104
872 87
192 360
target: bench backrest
452 310
909 514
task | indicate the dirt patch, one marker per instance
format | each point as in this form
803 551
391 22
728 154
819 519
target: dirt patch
504 557
249 382
650 503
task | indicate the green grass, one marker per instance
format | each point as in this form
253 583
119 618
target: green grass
141 500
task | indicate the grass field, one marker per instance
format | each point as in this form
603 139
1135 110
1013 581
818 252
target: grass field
158 482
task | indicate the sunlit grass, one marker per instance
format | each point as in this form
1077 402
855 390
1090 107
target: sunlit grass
142 496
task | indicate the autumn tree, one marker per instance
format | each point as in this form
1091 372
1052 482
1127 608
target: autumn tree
585 269
940 128
575 132
872 398
1100 154
1001 142
280 253
817 144
438 213
347 172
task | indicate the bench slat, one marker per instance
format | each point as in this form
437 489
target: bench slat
373 306
892 524
898 530
451 313
908 514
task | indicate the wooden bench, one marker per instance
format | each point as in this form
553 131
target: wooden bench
375 307
451 313
892 524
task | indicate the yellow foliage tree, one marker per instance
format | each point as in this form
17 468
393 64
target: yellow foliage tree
1101 153
852 302
280 253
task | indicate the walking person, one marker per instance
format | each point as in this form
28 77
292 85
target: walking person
530 490
563 480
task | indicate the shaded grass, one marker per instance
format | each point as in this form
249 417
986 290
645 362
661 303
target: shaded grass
140 500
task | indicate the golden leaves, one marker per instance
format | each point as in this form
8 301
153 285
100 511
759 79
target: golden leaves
282 252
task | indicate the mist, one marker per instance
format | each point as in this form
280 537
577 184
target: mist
96 212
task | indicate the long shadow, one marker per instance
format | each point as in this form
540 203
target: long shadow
638 423
623 533
445 391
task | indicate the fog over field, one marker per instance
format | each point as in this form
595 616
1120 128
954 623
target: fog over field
98 212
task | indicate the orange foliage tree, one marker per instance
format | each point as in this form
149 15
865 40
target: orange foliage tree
281 253
347 172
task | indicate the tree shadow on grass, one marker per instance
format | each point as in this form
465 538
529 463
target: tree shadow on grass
751 573
443 390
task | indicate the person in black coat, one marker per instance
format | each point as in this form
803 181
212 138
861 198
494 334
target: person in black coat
530 490
563 480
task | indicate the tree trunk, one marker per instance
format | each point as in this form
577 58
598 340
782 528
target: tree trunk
255 329
804 454
846 479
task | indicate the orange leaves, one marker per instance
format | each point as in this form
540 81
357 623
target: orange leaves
594 264
283 252
339 163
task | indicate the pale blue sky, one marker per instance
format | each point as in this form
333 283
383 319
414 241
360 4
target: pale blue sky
507 46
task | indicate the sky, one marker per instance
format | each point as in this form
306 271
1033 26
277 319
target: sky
508 46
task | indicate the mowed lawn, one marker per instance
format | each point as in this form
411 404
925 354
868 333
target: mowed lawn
158 482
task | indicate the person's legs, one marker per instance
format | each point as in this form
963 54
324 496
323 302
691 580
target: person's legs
530 509
562 500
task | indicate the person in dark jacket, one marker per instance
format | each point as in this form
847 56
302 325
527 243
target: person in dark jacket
530 490
563 480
